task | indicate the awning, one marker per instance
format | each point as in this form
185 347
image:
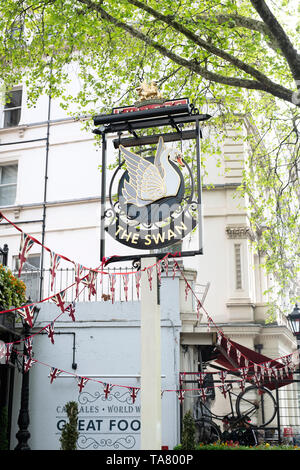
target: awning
230 359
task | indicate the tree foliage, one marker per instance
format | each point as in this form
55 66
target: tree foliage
235 59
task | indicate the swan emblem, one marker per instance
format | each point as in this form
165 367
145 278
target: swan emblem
149 182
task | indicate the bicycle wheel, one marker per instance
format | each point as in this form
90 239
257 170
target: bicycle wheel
258 404
207 431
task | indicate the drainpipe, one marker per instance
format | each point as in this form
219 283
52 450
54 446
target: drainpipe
45 198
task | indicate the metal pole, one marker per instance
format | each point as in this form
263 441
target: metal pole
103 197
45 199
150 362
23 421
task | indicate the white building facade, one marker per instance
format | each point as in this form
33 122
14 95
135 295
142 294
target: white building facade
50 188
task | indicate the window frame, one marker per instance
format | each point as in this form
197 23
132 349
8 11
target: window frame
5 185
6 110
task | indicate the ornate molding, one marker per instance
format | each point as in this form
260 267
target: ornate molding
239 232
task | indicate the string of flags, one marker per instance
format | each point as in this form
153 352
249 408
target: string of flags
248 370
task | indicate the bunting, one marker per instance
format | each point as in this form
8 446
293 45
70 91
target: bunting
112 281
149 274
25 245
28 363
27 313
54 373
138 275
133 393
54 263
180 395
90 281
28 345
78 274
59 300
71 310
8 352
50 331
107 388
125 284
81 382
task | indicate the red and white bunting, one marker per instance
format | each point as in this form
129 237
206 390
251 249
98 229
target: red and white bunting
112 282
78 276
71 310
25 245
242 384
174 270
257 379
149 274
158 270
186 290
28 345
268 370
133 393
199 305
107 388
180 395
201 379
166 266
9 347
138 283
125 285
50 331
27 314
59 300
238 356
54 372
219 338
54 263
90 281
223 387
28 363
228 347
81 381
203 393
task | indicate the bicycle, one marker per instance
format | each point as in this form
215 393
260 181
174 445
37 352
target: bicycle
255 408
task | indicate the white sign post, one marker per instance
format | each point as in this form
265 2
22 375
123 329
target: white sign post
150 361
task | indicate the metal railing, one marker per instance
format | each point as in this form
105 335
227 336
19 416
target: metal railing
65 281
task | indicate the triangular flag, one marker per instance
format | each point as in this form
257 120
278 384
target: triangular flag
81 383
27 313
54 263
25 245
54 372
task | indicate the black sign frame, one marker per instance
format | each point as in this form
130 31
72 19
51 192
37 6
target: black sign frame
174 115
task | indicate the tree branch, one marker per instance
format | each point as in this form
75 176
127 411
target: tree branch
283 41
236 21
267 85
204 44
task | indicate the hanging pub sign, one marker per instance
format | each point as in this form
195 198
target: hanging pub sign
155 193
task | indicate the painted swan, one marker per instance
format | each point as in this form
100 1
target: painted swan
149 182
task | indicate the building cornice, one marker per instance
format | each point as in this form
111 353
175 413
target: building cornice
239 232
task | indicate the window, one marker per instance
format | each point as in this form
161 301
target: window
12 108
8 184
